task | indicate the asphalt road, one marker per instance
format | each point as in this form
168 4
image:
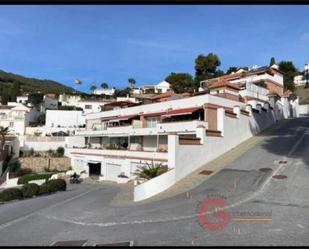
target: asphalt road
263 210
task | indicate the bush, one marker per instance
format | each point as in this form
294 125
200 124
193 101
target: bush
11 194
44 189
14 165
57 185
26 178
30 190
60 151
149 171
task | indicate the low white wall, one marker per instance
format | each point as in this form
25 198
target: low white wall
303 109
150 187
42 146
236 130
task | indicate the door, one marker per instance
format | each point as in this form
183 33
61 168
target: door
112 171
94 169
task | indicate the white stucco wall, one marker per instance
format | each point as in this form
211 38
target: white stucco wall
150 187
55 118
303 109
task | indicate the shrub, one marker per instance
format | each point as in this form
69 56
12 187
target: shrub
26 178
149 171
30 190
57 185
60 151
11 194
14 165
44 189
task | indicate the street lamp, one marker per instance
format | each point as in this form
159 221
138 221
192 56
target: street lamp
307 74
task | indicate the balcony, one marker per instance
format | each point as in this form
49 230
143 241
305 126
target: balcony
180 126
124 154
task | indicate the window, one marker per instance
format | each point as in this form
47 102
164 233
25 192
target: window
11 124
88 107
152 122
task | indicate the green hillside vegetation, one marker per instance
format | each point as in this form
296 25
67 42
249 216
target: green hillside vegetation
303 94
12 85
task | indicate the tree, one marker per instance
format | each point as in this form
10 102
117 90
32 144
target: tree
272 61
3 132
93 87
104 85
132 82
206 67
122 92
289 72
181 82
41 119
35 98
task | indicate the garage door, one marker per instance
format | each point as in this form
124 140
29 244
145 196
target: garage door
112 171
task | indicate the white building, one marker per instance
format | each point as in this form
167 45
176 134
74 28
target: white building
91 106
69 100
204 126
50 102
162 87
105 91
17 118
22 99
300 80
64 119
255 85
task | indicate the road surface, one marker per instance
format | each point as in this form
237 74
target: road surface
262 210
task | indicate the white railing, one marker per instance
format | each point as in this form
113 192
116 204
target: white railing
118 153
182 126
253 94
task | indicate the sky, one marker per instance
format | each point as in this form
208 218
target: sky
110 44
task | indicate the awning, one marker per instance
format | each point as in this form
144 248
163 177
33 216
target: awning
121 118
153 114
108 118
184 111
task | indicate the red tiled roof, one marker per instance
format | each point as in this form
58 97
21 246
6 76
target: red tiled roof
223 83
163 95
183 111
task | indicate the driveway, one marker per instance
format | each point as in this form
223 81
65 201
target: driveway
88 211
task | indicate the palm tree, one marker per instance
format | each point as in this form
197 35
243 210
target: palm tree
3 132
104 85
93 87
150 170
132 82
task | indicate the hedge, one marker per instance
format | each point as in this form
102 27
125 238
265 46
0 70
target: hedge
30 190
11 194
57 185
26 178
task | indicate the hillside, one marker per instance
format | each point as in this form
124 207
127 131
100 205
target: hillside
303 94
30 85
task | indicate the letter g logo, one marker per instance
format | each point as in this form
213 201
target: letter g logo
224 217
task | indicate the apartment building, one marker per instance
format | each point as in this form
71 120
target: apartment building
116 142
254 85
